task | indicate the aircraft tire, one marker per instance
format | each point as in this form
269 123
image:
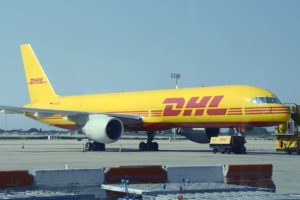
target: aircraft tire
215 150
98 146
88 146
94 146
142 146
102 147
154 146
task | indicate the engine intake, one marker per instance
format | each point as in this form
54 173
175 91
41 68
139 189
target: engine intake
103 128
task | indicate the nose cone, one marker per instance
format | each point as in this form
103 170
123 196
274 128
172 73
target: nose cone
281 114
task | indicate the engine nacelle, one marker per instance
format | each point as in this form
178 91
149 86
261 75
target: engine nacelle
103 129
199 136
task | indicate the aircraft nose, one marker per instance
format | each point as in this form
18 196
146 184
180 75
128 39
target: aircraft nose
282 114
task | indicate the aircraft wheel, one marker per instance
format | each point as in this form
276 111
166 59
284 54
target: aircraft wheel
154 146
289 151
98 146
215 150
88 146
102 147
142 146
298 152
94 147
149 146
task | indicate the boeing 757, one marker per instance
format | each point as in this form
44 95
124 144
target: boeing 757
103 118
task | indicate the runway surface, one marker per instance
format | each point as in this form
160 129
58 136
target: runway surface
56 154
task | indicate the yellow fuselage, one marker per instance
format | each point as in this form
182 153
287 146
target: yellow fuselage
221 106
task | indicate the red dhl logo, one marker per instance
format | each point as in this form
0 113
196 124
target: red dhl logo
195 106
37 81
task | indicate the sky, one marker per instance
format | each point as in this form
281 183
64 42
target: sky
114 46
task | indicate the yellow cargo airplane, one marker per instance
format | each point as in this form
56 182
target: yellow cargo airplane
104 117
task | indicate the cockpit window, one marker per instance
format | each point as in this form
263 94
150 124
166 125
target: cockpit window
261 100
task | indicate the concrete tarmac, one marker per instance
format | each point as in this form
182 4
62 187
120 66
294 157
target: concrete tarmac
56 154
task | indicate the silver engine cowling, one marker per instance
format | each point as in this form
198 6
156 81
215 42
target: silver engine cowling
103 128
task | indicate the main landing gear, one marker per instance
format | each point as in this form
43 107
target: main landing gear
94 146
149 145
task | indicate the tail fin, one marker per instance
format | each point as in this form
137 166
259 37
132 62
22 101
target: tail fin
39 87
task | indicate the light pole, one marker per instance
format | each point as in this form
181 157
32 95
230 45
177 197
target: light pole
175 76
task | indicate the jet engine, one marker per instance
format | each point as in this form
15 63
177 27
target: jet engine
199 136
103 129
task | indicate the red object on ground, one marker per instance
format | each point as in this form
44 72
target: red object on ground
15 179
259 175
136 174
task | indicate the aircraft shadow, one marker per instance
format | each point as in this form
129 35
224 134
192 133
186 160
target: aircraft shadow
134 150
165 150
249 153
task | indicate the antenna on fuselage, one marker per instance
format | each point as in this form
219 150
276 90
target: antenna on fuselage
175 76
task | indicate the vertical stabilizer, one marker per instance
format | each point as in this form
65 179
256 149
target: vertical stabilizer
39 87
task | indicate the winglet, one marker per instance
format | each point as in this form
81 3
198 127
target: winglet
39 87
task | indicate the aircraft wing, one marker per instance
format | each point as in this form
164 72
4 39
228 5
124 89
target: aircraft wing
78 117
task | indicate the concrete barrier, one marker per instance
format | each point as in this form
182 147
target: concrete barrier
88 181
255 175
69 177
195 174
15 179
77 181
42 195
136 174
